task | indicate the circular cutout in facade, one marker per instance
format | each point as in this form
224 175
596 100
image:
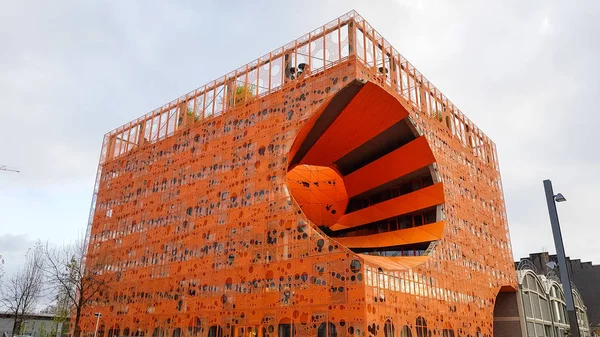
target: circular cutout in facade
362 174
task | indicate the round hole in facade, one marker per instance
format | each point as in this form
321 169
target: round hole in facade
341 181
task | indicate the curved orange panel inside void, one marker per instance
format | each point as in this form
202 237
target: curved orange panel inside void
320 193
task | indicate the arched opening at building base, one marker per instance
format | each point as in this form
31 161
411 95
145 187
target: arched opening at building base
508 313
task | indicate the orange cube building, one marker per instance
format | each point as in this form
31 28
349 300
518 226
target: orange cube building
324 189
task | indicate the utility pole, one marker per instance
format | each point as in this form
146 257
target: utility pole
551 199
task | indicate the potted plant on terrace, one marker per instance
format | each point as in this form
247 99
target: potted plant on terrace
241 93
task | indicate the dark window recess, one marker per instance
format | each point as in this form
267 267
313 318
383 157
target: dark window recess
285 330
389 329
411 220
215 331
417 249
327 330
421 327
364 201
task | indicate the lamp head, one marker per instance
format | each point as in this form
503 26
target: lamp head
559 197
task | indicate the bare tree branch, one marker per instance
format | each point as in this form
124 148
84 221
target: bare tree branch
74 280
23 289
1 268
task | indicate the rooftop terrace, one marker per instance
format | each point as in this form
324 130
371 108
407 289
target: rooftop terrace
335 42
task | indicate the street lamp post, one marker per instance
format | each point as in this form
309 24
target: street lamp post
552 199
99 314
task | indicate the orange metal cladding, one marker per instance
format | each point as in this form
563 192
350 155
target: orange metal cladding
216 211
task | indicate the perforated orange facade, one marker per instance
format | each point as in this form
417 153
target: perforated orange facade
324 189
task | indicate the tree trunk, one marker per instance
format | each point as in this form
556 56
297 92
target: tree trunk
16 326
76 329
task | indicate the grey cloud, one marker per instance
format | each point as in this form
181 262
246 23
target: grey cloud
9 244
13 249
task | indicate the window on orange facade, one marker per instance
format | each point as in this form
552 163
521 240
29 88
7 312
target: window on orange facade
447 333
194 327
251 331
215 331
421 327
114 331
389 329
405 332
327 330
158 332
285 330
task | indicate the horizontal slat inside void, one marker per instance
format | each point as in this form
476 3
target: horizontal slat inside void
387 141
408 236
372 111
385 192
394 263
390 250
400 162
418 200
331 112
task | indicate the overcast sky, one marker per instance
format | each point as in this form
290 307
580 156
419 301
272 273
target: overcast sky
526 72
